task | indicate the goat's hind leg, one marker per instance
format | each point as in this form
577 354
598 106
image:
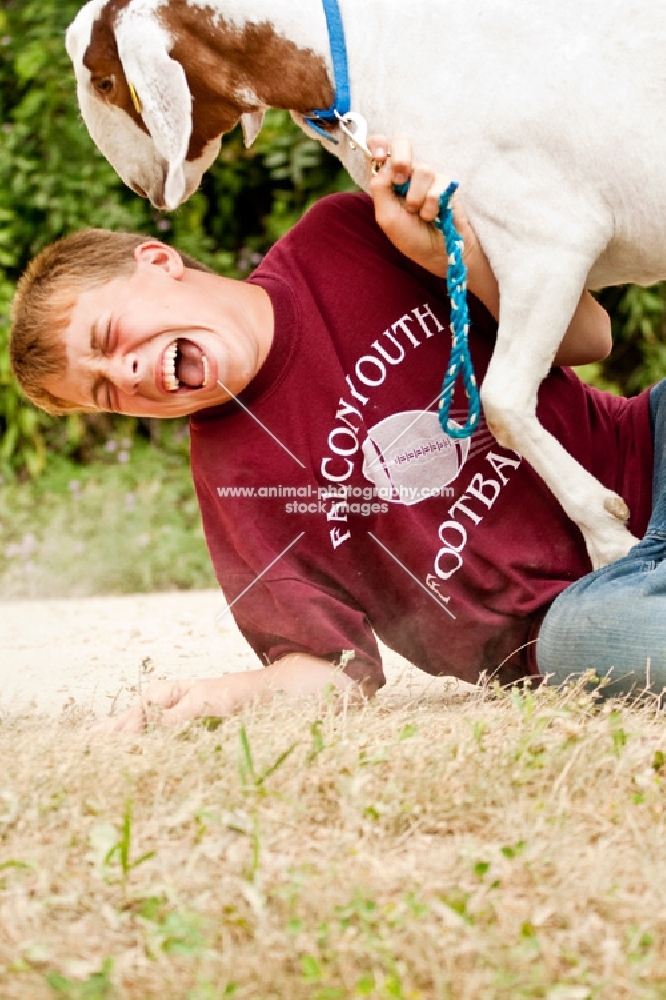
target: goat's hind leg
538 300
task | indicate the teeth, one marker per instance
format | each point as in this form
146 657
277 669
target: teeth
169 367
206 371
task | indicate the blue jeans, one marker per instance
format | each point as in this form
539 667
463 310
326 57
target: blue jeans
613 621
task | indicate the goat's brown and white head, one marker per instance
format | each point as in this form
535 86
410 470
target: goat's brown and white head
135 99
160 81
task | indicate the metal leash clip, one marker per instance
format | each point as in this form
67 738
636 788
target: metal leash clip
355 128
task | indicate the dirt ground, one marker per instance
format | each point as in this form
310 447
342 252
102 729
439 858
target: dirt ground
92 656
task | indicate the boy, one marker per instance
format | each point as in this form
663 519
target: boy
334 506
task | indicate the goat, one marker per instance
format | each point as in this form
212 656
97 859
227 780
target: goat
552 116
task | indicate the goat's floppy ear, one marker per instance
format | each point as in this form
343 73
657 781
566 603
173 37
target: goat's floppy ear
251 123
79 33
73 39
160 85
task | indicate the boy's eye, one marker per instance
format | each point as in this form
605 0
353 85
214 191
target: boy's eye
106 344
101 340
104 397
110 398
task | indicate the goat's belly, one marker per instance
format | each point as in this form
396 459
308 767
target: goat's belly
609 270
637 253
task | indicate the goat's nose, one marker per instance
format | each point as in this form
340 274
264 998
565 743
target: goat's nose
158 197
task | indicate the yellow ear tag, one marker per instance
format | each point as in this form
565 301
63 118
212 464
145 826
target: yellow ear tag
135 98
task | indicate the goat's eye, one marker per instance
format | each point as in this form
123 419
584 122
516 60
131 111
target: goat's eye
105 86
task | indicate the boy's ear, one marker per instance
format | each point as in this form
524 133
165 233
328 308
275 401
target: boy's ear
160 254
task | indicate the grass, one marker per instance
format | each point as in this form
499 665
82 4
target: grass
127 523
498 845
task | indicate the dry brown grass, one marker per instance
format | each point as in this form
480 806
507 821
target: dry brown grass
500 845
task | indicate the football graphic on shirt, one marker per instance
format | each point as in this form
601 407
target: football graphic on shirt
409 458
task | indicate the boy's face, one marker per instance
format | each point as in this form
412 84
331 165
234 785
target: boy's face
158 342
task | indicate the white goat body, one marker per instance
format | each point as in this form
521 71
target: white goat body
552 116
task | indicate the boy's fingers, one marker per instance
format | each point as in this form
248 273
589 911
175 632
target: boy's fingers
166 694
388 209
203 698
419 186
378 146
165 703
131 721
192 705
430 204
401 159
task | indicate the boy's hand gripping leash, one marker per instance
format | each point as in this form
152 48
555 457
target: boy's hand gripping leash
355 128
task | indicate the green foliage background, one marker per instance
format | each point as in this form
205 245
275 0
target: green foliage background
53 181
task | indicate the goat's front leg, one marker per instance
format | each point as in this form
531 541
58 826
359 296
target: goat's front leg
534 315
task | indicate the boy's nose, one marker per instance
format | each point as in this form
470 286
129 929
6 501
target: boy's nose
125 372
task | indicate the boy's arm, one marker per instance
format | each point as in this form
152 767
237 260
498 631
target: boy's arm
407 223
171 703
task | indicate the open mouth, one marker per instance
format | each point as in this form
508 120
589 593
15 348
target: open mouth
184 366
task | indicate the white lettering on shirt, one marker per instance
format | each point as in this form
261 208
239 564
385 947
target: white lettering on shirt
337 539
452 534
423 316
370 371
355 393
338 436
499 461
343 413
385 354
363 377
402 325
332 477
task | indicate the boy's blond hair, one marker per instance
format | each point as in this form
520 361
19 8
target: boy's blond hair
45 297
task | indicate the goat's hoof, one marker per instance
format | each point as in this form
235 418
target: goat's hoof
615 544
617 507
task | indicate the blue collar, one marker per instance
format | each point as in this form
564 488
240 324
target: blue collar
342 103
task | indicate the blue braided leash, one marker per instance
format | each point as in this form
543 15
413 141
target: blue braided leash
456 284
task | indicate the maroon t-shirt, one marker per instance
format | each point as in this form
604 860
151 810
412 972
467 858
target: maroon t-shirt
450 551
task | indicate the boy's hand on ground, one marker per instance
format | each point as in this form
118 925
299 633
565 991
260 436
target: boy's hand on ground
408 221
171 703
